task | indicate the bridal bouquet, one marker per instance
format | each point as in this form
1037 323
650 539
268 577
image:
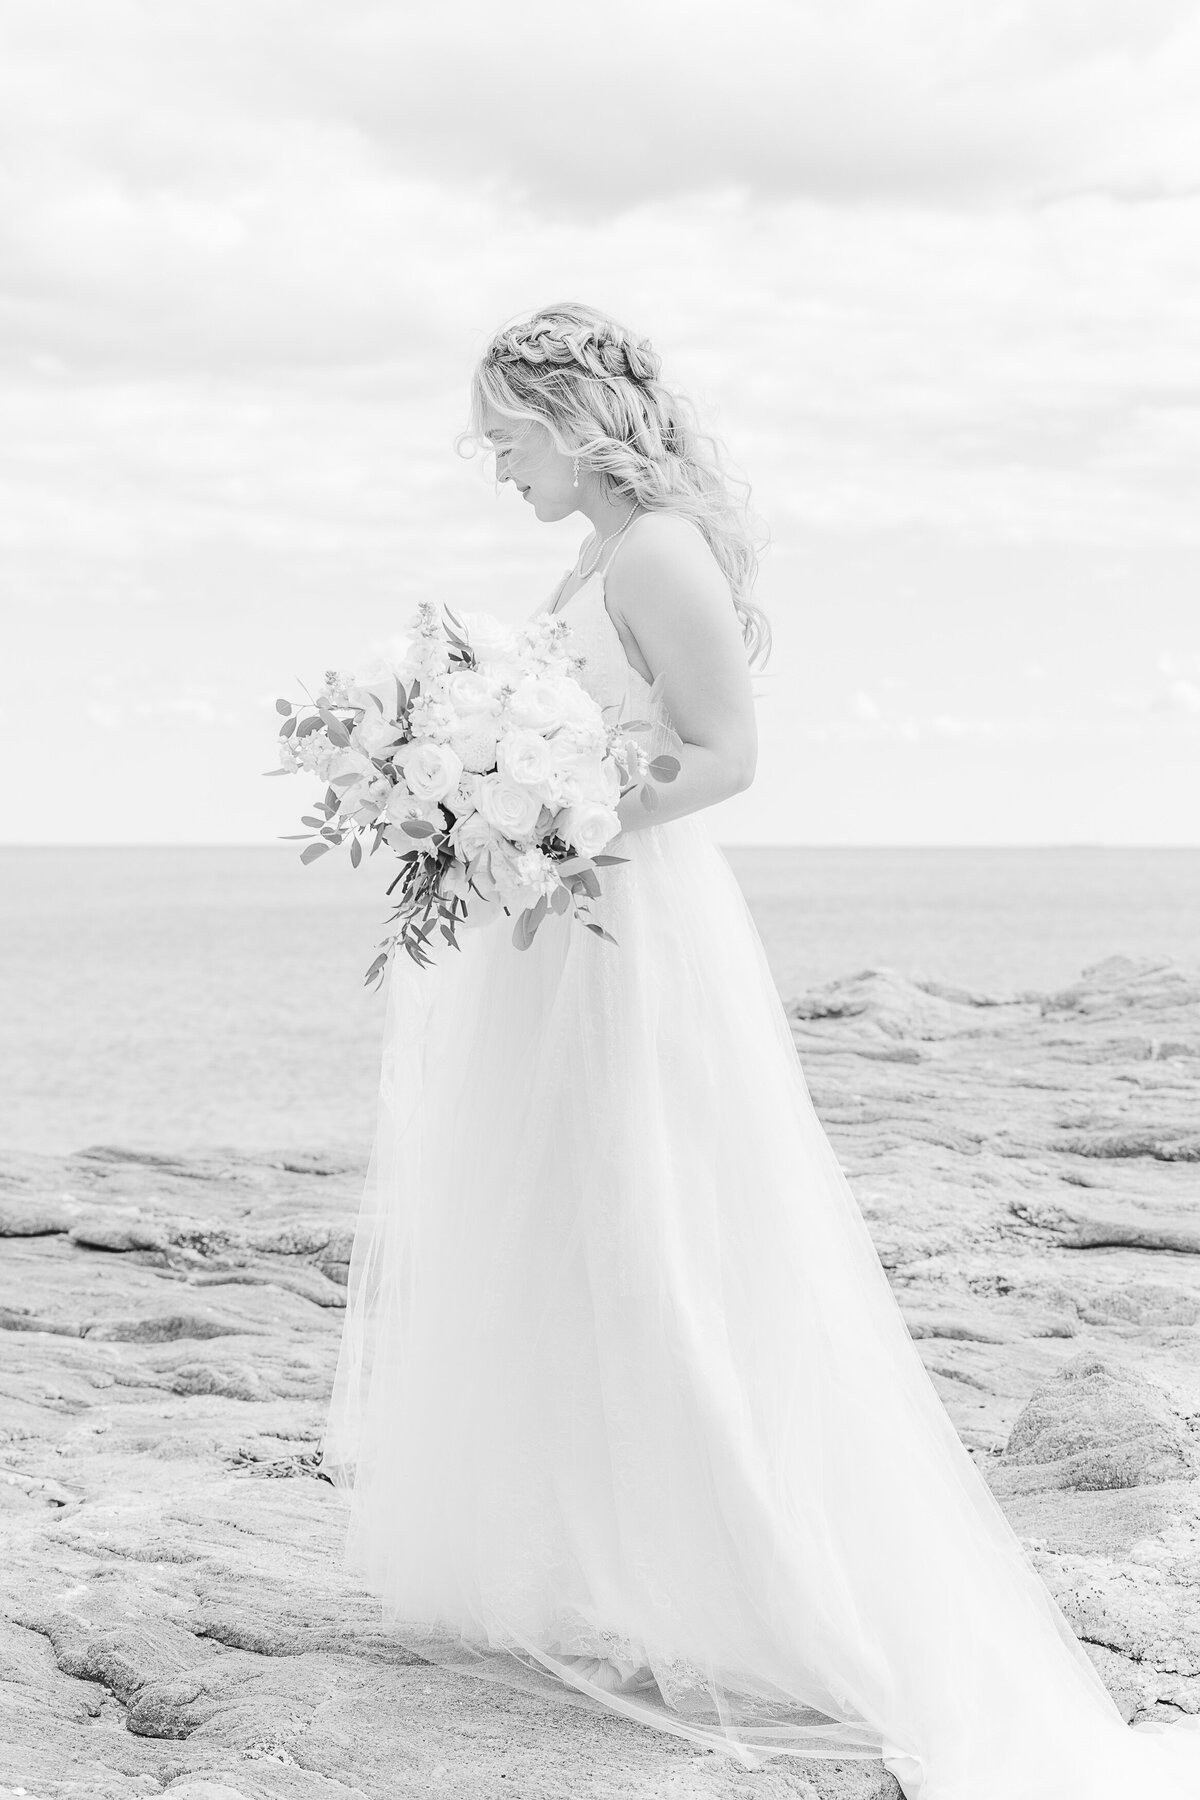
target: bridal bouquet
479 759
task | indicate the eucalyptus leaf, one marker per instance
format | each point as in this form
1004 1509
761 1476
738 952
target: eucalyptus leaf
649 799
665 768
418 828
284 707
287 728
355 854
313 851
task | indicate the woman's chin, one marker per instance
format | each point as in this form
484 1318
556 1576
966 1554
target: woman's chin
547 510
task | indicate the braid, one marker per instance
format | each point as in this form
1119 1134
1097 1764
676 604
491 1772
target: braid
604 350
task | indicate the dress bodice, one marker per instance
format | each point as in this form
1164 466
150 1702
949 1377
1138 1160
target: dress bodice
606 671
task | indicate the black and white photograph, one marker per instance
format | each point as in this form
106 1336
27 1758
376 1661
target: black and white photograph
600 900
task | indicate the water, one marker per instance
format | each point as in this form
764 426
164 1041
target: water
182 998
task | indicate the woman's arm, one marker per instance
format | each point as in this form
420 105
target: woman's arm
672 607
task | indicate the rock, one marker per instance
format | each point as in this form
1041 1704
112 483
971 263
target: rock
116 1231
1179 1145
187 1789
170 1342
1096 1425
1134 1222
33 1218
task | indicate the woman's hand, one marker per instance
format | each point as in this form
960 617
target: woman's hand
673 610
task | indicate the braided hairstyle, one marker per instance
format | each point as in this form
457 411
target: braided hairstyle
595 386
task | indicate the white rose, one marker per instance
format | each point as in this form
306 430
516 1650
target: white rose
587 827
378 680
398 816
585 733
472 691
535 703
430 770
488 637
400 805
512 810
347 762
581 775
373 732
525 757
474 742
575 706
464 798
472 836
368 799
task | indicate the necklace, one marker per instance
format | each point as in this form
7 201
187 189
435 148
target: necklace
608 540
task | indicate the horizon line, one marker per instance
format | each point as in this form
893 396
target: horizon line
274 844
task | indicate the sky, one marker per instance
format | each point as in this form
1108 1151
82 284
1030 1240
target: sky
932 272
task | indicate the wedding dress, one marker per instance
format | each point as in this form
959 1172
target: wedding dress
622 1378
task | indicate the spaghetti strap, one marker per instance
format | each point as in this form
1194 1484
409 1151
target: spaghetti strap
563 579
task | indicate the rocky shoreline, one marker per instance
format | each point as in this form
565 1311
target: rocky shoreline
175 1615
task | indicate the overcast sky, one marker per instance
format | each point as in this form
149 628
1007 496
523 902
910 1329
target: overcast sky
931 269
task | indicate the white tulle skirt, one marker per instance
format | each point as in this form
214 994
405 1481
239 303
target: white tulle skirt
622 1376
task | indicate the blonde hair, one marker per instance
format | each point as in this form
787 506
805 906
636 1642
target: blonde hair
594 385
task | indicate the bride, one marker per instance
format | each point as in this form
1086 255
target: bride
623 1395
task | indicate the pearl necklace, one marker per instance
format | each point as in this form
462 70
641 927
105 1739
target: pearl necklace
603 541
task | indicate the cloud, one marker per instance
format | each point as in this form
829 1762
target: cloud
250 254
924 100
1170 663
1181 696
1176 689
929 269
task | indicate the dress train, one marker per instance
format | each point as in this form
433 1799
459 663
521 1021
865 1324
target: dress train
622 1378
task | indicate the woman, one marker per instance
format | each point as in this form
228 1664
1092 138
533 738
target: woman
623 1390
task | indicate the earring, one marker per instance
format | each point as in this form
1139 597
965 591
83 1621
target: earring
575 483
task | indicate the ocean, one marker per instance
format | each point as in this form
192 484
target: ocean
188 998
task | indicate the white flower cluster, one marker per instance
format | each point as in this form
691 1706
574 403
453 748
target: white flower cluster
500 754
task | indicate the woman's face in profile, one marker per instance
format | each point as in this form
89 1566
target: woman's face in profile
527 456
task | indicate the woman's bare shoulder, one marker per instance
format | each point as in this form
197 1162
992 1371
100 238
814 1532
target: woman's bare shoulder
665 547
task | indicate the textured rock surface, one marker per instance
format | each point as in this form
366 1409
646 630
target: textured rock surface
175 1616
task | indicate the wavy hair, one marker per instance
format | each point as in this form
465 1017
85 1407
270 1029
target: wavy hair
594 385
